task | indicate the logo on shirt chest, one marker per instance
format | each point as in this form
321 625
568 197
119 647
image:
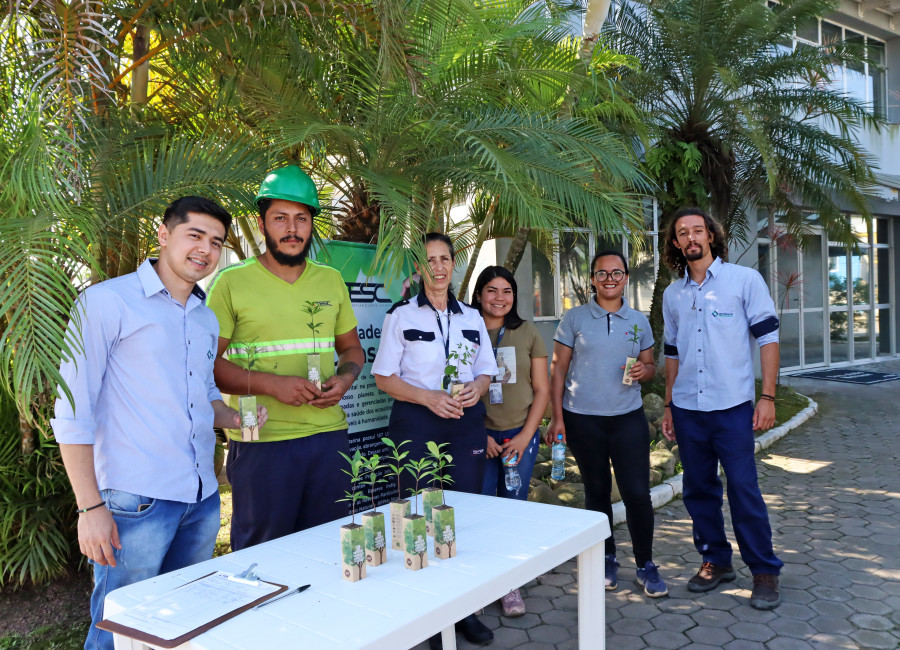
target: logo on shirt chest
722 314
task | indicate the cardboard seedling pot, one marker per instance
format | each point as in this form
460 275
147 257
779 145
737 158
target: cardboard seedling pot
376 540
415 542
456 388
353 552
249 421
444 532
431 498
399 509
314 369
626 377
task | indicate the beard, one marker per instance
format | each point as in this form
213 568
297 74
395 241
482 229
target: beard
693 254
286 259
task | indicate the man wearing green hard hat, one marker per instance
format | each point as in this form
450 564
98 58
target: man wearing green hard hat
282 317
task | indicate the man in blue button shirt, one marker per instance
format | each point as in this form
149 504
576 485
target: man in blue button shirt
711 317
136 427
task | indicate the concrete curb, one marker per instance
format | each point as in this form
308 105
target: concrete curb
670 488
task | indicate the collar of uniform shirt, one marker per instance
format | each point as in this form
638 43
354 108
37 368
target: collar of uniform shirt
713 270
452 303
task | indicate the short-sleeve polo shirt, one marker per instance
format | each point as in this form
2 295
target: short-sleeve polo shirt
600 342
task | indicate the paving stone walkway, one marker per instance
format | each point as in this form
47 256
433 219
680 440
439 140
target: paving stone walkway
833 491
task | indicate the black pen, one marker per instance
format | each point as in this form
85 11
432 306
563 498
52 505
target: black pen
285 594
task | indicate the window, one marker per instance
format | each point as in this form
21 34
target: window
865 81
557 293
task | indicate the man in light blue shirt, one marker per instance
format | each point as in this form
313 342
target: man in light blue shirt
712 315
136 428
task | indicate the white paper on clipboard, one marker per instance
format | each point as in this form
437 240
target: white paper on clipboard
192 606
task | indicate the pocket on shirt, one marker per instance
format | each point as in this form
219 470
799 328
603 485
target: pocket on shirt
126 504
724 314
472 335
418 335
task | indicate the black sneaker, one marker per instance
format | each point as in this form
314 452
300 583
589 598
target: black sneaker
475 631
709 576
765 591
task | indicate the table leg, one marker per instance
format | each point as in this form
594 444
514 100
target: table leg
448 637
591 593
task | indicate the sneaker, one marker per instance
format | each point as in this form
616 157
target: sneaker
512 604
649 579
765 591
612 568
474 631
709 576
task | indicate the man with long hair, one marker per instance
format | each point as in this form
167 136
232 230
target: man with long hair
711 317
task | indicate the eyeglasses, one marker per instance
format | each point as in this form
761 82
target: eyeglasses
616 275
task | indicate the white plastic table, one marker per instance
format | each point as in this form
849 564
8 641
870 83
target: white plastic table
502 544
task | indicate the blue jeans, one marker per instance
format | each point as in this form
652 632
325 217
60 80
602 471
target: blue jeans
494 475
157 536
704 440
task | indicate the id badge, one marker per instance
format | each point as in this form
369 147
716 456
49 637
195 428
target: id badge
495 392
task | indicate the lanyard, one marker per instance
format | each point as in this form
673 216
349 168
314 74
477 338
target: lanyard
499 338
446 341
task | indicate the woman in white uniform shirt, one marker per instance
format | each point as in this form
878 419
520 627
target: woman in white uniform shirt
417 337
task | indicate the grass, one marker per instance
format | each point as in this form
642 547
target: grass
223 539
49 637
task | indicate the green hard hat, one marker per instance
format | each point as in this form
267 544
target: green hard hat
290 184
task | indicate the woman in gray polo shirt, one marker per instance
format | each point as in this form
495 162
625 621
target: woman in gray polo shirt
600 417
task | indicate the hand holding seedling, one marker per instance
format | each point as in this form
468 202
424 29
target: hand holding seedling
293 391
333 389
442 405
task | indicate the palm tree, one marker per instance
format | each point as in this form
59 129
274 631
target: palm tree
454 100
739 120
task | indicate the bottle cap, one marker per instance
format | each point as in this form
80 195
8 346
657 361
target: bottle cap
559 436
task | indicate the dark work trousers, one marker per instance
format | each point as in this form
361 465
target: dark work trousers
595 440
467 437
285 486
706 438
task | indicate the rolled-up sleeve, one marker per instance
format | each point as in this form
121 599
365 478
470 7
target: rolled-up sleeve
93 328
760 310
670 329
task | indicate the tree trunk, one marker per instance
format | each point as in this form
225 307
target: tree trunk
479 242
140 76
516 250
663 280
248 235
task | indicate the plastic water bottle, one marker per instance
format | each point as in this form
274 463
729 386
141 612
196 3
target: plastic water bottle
513 480
558 454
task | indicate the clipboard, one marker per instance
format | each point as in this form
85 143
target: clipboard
150 639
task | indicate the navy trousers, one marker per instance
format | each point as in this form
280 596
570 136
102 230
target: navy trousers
706 438
285 486
467 437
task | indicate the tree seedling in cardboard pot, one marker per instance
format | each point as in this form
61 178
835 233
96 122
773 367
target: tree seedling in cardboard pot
400 507
414 535
634 335
313 359
247 403
433 495
463 355
353 538
443 516
373 521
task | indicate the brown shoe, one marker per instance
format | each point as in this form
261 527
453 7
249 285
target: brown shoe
765 591
709 576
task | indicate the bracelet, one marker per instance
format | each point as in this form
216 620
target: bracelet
669 405
768 397
83 510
